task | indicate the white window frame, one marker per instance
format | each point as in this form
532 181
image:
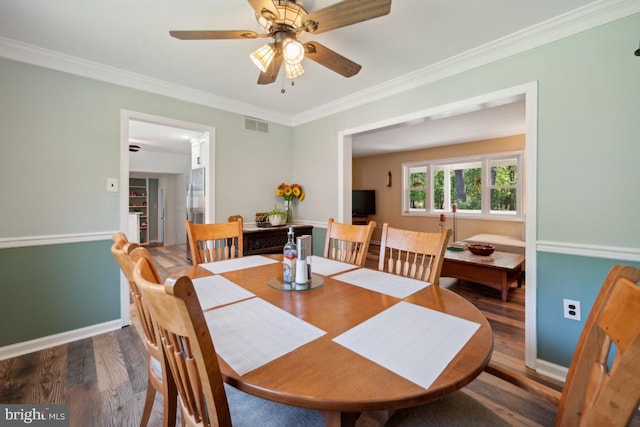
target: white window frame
485 212
407 189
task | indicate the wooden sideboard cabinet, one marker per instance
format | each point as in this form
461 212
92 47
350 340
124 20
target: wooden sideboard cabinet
360 220
269 240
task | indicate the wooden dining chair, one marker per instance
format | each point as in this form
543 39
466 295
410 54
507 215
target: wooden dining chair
602 387
215 242
348 242
159 376
235 218
119 235
204 399
415 254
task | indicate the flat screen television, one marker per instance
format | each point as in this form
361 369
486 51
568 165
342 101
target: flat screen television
363 202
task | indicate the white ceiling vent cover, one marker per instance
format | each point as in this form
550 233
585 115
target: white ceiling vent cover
256 125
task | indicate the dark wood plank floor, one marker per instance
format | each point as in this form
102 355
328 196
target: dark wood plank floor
103 379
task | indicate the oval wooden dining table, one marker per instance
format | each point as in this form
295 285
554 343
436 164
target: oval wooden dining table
329 377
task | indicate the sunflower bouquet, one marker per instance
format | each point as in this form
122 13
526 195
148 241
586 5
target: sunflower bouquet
290 192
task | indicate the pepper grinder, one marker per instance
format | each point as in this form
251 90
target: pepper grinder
301 263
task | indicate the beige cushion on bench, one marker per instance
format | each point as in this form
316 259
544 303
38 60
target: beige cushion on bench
501 243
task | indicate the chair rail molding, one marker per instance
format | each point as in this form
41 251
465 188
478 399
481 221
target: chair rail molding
595 251
54 239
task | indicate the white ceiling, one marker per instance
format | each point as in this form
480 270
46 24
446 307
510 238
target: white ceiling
162 138
128 40
482 123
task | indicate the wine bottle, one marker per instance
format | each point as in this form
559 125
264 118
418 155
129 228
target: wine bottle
290 252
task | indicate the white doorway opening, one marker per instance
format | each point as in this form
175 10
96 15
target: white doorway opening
175 202
528 92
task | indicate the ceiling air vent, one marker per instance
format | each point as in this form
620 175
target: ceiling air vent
256 125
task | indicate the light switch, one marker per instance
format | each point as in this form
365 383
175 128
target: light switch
112 185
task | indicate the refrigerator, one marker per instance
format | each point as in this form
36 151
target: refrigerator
195 200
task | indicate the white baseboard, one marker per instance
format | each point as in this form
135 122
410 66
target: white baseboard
19 349
551 370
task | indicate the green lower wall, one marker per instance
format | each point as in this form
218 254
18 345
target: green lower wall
61 288
566 276
57 288
559 276
588 103
319 236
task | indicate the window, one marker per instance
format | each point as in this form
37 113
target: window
417 187
480 186
503 185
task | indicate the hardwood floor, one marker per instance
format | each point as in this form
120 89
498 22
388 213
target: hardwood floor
103 379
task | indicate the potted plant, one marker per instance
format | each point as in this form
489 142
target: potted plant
276 216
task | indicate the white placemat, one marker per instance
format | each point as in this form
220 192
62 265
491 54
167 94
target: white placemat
219 267
253 332
385 283
217 290
412 341
327 267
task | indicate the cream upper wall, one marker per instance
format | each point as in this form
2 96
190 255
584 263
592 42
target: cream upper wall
588 103
60 134
371 173
60 141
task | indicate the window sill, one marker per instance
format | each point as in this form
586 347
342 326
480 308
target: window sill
479 217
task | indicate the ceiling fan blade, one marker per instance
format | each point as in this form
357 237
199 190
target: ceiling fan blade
330 59
265 8
213 35
271 74
345 13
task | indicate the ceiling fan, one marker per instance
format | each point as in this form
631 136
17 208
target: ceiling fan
285 21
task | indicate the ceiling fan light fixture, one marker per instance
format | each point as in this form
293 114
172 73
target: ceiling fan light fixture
285 21
293 51
291 15
263 57
293 71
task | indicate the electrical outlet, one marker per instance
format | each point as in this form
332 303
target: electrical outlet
571 309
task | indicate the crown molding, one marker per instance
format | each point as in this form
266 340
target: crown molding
23 52
576 21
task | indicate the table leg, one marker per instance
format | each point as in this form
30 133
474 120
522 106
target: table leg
340 419
505 286
520 278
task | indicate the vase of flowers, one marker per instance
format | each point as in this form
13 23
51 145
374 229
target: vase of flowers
290 192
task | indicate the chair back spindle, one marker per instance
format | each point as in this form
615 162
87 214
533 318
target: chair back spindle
603 382
188 347
215 242
413 254
159 376
347 242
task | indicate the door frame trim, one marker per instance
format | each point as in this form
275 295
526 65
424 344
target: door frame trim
528 91
208 149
